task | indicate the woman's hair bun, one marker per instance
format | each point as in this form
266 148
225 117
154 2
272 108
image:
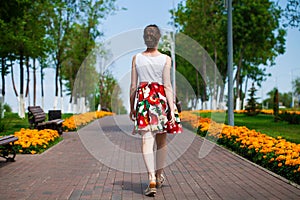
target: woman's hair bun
151 35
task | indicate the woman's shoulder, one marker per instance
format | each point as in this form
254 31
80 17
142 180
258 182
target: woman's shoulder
138 56
135 56
167 56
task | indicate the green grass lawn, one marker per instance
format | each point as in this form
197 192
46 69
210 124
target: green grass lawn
264 124
12 123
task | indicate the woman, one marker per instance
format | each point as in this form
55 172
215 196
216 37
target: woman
155 113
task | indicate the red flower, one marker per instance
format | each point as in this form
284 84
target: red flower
153 99
154 119
161 90
143 121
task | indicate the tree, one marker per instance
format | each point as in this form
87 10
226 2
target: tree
108 94
252 107
74 19
292 13
62 13
258 39
276 105
203 21
296 89
6 49
285 99
18 20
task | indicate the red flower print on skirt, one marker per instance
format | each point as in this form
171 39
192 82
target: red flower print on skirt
152 109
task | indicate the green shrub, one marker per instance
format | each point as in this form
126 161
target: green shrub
290 118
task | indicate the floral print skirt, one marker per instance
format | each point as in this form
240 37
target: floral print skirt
152 110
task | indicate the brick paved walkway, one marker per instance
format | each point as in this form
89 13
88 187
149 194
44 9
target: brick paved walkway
69 171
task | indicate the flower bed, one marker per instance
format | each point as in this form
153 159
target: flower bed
271 112
275 154
77 121
32 141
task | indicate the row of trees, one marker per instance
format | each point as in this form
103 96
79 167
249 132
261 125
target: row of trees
49 33
274 100
258 38
286 99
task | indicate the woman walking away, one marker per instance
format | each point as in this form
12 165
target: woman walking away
155 113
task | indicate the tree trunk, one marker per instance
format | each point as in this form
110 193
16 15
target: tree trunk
13 81
70 105
28 76
221 98
21 97
61 92
241 93
244 98
204 94
276 105
238 76
34 82
56 85
3 70
214 96
42 84
198 87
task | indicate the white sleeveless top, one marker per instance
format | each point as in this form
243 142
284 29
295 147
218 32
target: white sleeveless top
150 68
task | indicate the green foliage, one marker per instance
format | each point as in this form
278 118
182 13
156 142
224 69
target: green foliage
285 99
107 94
296 86
73 32
252 106
290 118
5 110
292 13
258 39
204 22
276 105
64 30
37 149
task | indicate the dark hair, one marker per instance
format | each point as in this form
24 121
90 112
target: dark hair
151 35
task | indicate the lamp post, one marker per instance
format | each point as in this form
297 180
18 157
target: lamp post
173 55
230 63
173 64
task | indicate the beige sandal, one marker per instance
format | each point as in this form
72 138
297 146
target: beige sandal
160 181
151 189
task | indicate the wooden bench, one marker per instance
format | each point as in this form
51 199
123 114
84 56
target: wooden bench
6 147
37 119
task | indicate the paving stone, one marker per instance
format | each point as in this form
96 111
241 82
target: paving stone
69 171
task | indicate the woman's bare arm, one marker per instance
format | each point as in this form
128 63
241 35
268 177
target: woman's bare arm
133 87
168 85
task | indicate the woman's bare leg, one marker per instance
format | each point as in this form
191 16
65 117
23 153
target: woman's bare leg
161 153
148 154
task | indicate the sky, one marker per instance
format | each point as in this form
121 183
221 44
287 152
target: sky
140 13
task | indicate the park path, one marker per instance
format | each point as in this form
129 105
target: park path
69 171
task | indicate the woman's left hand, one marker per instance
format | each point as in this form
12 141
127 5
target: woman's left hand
132 115
172 120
